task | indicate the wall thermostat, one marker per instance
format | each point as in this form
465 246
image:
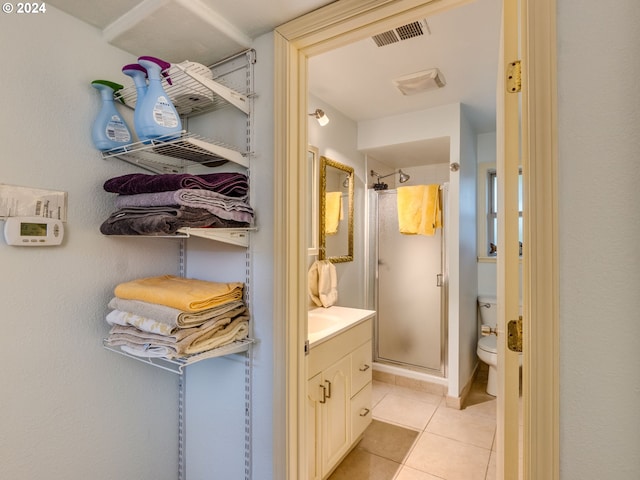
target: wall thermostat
33 231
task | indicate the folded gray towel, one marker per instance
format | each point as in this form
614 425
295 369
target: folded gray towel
222 206
164 220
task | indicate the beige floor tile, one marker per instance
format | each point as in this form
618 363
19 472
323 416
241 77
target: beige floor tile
404 411
449 459
491 471
485 406
408 473
426 397
379 390
463 426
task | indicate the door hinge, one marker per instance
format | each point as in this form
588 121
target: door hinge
514 342
514 77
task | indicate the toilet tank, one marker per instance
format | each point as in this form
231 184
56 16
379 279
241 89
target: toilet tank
488 307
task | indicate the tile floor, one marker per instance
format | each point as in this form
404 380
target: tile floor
450 444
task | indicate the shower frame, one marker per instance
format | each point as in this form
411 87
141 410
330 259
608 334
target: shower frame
373 246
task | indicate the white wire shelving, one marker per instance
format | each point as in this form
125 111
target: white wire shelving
177 365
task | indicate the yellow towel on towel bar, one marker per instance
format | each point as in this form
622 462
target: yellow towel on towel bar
419 209
332 212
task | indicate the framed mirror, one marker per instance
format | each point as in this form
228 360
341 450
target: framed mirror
336 211
313 199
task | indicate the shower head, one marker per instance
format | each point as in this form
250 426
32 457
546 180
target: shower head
403 177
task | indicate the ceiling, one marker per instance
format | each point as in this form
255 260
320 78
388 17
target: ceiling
202 31
462 43
355 80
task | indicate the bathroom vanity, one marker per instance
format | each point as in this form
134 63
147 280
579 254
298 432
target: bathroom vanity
339 384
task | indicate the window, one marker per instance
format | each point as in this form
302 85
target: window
492 212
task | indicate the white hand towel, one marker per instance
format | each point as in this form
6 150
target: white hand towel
323 283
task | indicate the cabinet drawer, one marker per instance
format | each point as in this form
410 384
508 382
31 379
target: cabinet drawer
360 367
360 412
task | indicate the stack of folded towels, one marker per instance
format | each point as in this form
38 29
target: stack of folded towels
161 204
171 317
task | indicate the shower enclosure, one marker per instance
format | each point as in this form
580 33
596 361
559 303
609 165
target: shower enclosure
409 293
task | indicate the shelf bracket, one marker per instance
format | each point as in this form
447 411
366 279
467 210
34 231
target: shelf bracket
236 99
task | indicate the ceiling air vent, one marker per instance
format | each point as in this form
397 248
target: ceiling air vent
410 30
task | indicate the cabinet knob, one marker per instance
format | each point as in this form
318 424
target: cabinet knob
365 368
364 412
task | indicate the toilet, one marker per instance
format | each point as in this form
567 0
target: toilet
488 345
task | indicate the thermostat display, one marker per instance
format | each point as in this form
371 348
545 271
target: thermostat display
33 231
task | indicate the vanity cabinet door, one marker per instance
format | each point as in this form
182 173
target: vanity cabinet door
314 427
336 413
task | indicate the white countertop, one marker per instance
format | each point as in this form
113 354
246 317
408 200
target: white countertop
325 323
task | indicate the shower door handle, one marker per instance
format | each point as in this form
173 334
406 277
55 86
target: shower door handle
439 280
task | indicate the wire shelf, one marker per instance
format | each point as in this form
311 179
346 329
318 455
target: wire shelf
177 365
178 155
233 236
194 90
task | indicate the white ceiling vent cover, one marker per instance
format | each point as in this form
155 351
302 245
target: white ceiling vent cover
410 30
420 82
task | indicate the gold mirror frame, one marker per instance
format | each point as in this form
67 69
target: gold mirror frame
313 199
322 254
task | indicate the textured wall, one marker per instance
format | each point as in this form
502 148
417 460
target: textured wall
69 408
599 177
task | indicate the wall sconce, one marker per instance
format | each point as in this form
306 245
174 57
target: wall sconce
320 116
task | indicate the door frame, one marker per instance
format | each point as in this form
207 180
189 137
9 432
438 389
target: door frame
341 23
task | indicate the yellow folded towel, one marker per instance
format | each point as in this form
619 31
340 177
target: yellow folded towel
332 212
419 209
187 294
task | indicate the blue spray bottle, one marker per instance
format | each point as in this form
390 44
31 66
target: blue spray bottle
139 76
157 115
109 129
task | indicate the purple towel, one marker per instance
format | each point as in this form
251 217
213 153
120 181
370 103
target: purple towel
232 184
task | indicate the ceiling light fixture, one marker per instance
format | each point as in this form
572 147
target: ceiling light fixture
320 116
420 82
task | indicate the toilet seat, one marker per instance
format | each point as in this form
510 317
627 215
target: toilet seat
489 344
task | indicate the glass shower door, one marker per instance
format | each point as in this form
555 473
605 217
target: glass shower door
409 293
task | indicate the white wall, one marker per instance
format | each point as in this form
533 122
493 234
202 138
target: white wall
337 141
68 407
467 248
599 175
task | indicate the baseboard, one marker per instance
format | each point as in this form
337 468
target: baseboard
459 402
408 382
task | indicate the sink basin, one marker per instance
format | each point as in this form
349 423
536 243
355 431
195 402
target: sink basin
320 321
324 323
